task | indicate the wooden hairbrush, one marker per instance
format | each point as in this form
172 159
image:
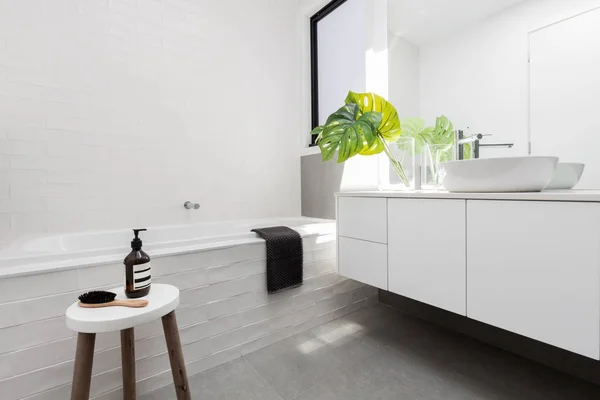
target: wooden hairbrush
100 298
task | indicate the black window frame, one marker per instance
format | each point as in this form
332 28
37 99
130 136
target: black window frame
314 62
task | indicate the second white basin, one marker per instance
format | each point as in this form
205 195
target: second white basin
566 176
508 174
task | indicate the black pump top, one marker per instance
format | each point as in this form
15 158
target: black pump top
136 243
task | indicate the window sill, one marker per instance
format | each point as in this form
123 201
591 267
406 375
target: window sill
307 151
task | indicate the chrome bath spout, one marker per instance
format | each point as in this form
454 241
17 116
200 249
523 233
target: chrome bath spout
191 206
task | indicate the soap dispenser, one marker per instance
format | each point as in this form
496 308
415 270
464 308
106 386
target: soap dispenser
137 269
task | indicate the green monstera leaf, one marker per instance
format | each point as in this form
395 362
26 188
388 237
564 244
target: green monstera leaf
348 131
362 126
443 132
415 128
390 127
319 132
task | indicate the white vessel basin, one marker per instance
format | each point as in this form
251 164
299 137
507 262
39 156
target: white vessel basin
509 174
566 176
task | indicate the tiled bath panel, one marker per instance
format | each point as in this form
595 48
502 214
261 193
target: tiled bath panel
380 353
224 313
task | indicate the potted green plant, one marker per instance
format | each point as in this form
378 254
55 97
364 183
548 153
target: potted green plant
364 125
435 143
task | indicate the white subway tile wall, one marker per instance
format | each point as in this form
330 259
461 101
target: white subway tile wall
115 112
225 312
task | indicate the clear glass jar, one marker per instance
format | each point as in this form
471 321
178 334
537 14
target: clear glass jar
390 176
432 156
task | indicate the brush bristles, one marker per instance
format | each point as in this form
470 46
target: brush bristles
97 297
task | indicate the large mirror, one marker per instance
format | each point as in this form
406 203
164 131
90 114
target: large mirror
526 72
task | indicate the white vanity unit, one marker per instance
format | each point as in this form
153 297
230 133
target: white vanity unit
524 262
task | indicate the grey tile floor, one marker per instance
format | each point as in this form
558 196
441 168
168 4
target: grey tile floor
380 353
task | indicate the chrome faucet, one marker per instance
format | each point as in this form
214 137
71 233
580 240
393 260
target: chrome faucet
191 206
479 145
460 140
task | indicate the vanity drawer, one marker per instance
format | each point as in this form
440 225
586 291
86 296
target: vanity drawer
363 261
363 218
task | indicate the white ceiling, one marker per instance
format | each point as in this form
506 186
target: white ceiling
420 21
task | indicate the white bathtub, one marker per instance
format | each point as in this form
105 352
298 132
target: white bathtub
53 252
224 310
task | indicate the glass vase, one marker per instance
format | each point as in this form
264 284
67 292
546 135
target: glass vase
432 156
397 165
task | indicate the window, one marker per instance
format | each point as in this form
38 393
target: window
314 57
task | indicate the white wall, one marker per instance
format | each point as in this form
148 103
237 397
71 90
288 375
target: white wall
478 77
403 59
114 112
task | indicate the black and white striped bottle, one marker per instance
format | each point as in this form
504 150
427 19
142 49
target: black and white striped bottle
138 271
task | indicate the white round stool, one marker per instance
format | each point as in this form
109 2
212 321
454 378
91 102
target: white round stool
162 301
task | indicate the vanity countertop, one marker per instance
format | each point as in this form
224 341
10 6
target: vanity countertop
550 195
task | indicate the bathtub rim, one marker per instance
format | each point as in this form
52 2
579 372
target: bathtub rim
229 241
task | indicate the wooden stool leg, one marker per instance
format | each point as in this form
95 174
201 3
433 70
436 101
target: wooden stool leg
82 373
128 363
180 379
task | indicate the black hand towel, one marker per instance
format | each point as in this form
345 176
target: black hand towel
284 257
